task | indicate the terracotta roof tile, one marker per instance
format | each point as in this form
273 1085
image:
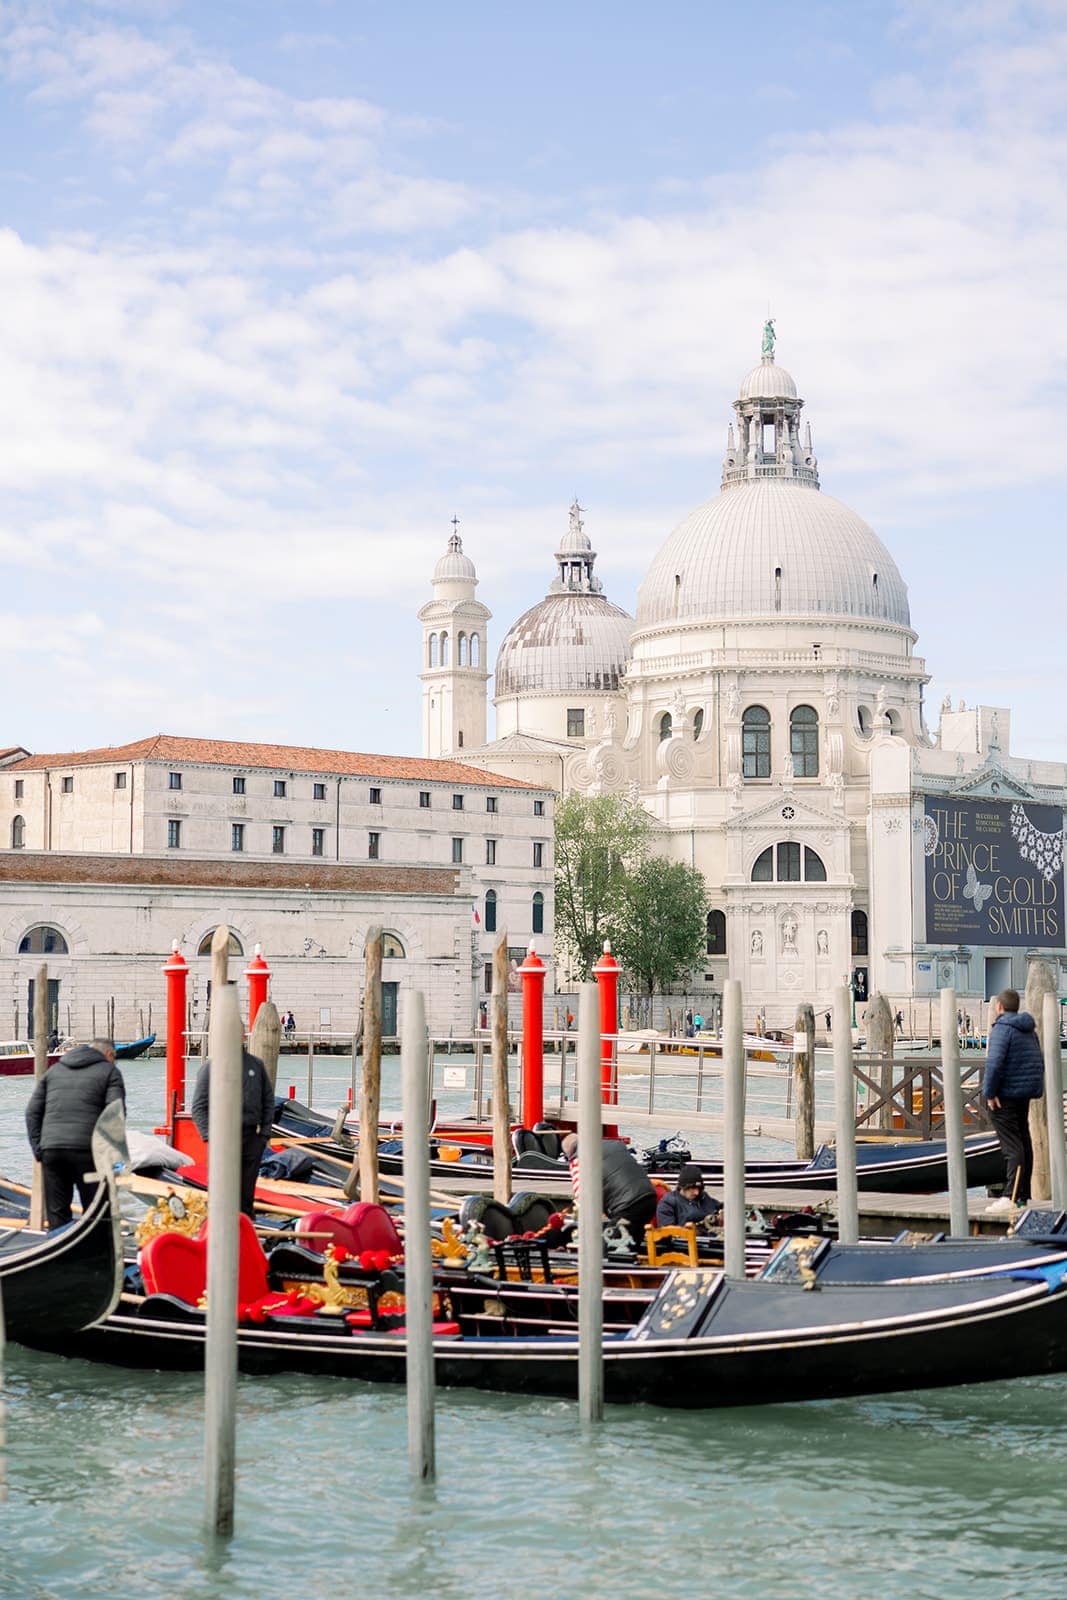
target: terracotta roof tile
277 757
372 878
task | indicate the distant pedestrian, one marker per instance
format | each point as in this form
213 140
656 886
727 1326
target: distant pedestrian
570 1019
257 1119
689 1024
60 1119
898 1023
1014 1075
290 1023
698 1021
828 1022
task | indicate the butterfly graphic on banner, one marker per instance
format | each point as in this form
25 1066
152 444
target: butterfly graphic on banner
973 890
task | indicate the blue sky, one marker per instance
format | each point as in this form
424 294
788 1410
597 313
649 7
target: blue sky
283 287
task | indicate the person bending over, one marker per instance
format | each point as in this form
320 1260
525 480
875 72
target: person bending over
628 1192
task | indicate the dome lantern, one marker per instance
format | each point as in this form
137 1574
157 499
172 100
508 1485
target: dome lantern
768 425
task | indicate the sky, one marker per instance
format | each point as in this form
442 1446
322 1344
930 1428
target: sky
284 287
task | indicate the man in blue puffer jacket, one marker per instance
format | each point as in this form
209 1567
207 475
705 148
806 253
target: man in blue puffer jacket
1014 1075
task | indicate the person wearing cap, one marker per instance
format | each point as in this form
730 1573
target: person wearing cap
687 1202
628 1192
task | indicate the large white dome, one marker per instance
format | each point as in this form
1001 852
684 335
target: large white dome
773 547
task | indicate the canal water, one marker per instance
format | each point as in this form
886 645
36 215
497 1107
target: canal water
959 1494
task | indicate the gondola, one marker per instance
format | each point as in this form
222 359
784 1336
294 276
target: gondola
702 1342
136 1047
915 1167
54 1284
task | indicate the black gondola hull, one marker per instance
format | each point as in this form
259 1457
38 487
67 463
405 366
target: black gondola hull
57 1283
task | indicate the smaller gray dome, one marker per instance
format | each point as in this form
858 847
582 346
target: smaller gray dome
570 642
768 381
454 566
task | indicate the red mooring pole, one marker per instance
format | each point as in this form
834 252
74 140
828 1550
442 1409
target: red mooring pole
532 973
176 973
258 974
606 973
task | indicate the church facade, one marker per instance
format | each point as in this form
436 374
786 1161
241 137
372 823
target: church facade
766 705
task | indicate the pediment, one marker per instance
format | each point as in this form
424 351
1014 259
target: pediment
785 811
992 782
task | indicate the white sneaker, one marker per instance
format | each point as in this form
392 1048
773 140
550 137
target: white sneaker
1002 1207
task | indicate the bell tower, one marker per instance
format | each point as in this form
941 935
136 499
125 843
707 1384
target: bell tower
454 655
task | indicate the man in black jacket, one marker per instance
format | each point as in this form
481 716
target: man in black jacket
1014 1075
60 1119
257 1119
628 1192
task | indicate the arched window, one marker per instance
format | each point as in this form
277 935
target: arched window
433 650
756 742
18 833
860 940
392 949
490 911
698 722
461 650
804 741
892 717
666 726
782 863
716 933
44 940
444 649
235 946
539 912
864 720
476 650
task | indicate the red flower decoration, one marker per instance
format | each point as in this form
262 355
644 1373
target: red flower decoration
368 1260
341 1254
382 1259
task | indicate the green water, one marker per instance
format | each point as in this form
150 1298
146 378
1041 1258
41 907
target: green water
951 1493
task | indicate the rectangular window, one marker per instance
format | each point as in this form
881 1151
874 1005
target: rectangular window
575 723
457 852
376 797
487 977
20 785
120 780
174 780
318 836
174 835
424 799
278 841
539 853
318 791
490 852
457 802
279 788
539 808
237 836
67 785
490 802
374 842
789 862
238 786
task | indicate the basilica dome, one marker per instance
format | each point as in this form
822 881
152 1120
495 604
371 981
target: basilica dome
575 639
771 543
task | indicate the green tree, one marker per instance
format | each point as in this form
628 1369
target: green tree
662 933
600 839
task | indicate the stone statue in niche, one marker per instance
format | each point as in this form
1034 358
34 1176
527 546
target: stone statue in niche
756 942
833 702
790 928
822 942
736 786
590 722
678 710
733 701
611 722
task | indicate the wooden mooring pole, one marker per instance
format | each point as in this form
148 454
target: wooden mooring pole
224 1194
266 1040
418 1260
804 1082
848 1217
733 1133
590 1210
959 1223
370 1087
1057 1147
498 1022
40 1067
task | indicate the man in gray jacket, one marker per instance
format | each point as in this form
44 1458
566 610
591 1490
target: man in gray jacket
257 1119
60 1119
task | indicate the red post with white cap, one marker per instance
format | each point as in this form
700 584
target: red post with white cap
176 973
258 974
606 973
532 973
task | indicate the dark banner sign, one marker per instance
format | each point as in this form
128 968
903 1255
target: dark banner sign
994 872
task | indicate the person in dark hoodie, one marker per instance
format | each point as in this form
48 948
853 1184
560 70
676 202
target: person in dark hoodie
257 1119
687 1202
1014 1075
60 1119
